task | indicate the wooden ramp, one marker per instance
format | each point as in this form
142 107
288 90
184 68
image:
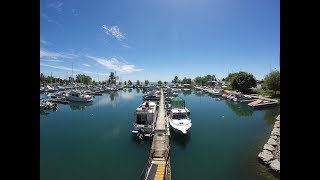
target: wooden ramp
254 103
158 166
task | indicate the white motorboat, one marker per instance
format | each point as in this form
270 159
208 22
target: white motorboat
76 95
179 120
46 104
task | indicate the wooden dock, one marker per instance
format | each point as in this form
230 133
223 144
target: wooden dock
261 102
158 165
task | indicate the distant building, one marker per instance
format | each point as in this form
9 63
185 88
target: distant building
225 83
259 84
211 83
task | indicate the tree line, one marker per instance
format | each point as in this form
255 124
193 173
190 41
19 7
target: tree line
241 81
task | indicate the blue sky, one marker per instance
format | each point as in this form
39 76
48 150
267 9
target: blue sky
158 39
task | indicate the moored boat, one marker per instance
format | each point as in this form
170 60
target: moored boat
179 120
145 119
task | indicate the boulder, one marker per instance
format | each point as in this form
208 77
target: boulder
277 124
275 132
266 156
275 165
272 142
268 147
274 137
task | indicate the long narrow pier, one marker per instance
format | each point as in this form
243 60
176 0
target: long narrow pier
158 166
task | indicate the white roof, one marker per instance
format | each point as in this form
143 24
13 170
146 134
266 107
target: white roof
176 110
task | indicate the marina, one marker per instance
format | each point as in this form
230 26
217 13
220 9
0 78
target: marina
95 139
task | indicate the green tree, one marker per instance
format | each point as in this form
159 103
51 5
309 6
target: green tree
165 82
272 81
214 78
82 78
112 78
138 83
230 77
159 82
146 82
186 80
125 83
71 79
242 81
129 82
42 78
175 80
198 80
120 82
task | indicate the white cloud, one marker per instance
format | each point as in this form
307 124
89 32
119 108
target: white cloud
70 69
56 5
53 60
114 31
126 46
115 64
86 65
46 17
43 41
55 55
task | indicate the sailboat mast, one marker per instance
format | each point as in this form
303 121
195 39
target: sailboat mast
72 74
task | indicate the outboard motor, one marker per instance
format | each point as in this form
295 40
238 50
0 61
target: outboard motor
140 134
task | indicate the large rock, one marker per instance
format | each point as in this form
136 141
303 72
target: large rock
274 137
275 132
275 165
278 118
272 142
268 147
277 124
266 156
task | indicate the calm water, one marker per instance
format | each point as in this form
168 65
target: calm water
94 140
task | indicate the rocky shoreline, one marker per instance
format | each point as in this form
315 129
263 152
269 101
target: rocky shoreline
270 154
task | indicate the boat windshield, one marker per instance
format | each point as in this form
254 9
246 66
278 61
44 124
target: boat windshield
179 116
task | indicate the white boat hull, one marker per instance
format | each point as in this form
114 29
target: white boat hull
183 129
77 99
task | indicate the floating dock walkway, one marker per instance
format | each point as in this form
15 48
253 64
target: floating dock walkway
158 165
262 102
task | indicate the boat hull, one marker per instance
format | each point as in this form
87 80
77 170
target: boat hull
180 129
79 99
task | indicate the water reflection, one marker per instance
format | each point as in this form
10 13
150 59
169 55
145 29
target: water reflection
138 90
186 92
182 140
113 95
47 111
239 109
79 106
270 115
130 90
216 98
198 93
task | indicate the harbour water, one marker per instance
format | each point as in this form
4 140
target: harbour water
93 140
